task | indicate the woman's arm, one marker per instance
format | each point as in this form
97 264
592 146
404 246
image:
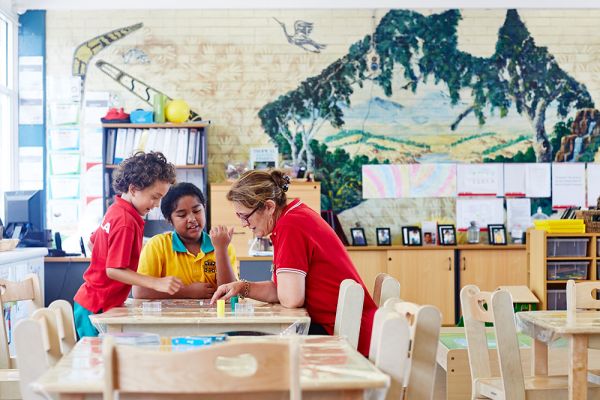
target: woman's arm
291 289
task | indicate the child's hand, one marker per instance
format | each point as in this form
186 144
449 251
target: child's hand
168 284
201 290
221 236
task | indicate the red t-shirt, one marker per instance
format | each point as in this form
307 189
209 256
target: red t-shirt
117 244
304 243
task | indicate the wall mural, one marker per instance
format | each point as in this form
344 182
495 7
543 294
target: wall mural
300 37
413 52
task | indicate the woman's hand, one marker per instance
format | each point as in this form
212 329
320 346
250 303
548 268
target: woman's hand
221 236
228 290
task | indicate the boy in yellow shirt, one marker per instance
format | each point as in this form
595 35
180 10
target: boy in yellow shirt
201 261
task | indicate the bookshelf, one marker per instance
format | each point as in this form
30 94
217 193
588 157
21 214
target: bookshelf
556 257
183 144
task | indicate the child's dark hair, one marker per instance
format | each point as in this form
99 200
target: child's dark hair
168 204
142 170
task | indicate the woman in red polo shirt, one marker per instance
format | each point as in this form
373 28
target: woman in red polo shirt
309 260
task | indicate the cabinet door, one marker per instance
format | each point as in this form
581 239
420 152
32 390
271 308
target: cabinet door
489 269
369 263
426 277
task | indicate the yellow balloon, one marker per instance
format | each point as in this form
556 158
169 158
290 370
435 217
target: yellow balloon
177 111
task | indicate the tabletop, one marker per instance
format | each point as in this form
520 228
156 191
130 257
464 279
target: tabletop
547 326
191 316
327 363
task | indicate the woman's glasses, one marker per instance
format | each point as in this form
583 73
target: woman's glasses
246 217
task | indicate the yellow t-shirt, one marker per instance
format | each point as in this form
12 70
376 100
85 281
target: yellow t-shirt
166 255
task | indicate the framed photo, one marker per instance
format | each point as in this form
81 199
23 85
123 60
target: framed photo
411 236
429 230
447 235
497 234
358 237
384 237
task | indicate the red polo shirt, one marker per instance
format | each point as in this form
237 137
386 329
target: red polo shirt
304 243
117 244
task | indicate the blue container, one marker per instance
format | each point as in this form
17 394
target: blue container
140 116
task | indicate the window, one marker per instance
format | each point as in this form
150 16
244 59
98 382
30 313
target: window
8 104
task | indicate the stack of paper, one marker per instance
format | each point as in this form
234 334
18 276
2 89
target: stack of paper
560 225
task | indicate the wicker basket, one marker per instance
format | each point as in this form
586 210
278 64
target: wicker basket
8 244
591 219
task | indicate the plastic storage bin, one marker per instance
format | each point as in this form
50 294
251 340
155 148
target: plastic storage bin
557 299
563 270
567 247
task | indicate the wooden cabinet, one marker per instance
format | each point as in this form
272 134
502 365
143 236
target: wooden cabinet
426 277
490 266
555 258
221 210
369 263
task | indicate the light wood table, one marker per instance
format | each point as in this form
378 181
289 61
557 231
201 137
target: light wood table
197 317
329 369
546 326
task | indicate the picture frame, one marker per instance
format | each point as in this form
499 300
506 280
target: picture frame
384 236
447 235
358 237
429 231
411 236
497 234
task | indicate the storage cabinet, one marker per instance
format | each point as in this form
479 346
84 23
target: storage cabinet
183 144
369 261
555 258
426 277
489 266
221 212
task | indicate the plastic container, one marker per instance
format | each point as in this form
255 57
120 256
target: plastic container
539 214
557 299
473 233
563 270
159 108
567 247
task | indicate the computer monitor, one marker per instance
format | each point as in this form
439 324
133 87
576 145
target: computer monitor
25 209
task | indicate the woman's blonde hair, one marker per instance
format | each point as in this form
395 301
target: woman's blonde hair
255 187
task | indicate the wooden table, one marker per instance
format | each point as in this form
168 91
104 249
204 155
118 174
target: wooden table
329 369
546 326
197 317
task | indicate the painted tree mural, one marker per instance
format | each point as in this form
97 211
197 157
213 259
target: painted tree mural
414 49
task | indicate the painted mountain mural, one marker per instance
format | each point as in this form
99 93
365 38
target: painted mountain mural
408 94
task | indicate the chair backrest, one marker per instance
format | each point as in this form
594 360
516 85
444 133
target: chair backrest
425 322
349 311
264 370
26 290
497 307
390 348
386 287
66 324
582 296
36 346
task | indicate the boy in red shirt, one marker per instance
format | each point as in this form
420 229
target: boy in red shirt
140 182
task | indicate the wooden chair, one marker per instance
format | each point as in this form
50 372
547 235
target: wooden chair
511 384
268 370
37 347
386 287
27 290
66 324
390 347
349 311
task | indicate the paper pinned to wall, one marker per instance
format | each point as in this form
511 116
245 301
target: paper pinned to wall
568 185
31 90
514 180
593 184
31 168
64 138
65 163
385 181
518 213
537 180
96 106
432 180
483 211
480 179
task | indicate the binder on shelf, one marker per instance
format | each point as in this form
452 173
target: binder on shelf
129 142
151 140
111 137
172 157
182 145
120 146
166 145
191 146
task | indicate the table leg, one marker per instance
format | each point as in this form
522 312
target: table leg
539 357
578 359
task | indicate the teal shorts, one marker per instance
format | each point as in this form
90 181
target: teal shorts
83 325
